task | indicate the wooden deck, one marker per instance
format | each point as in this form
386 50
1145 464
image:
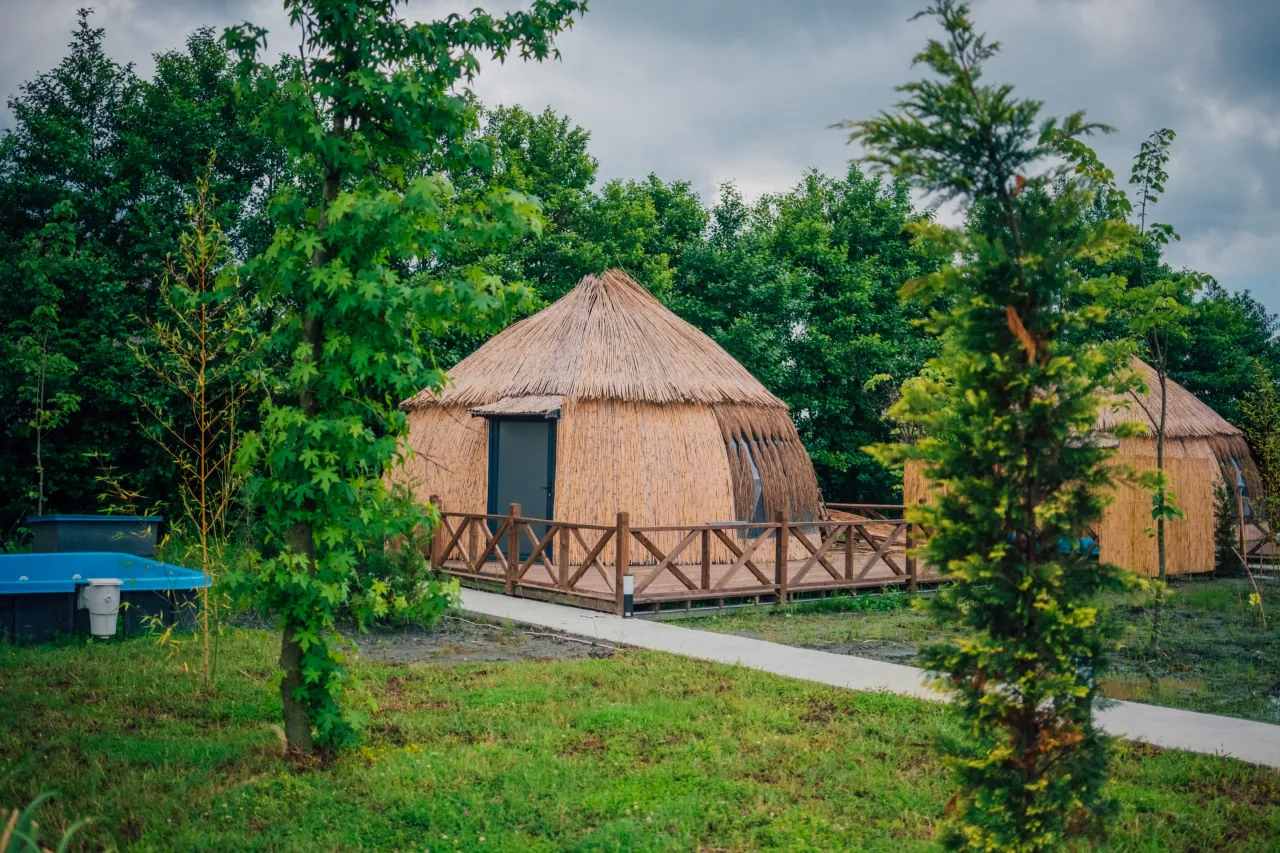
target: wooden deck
860 546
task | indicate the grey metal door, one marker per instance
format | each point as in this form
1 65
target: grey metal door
522 469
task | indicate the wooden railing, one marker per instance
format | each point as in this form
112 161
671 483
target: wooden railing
509 547
680 562
876 511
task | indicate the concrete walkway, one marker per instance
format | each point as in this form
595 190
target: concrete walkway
1257 743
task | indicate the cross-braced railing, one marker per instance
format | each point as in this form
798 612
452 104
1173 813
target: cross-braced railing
870 545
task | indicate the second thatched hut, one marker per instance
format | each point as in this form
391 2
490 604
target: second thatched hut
1202 450
606 401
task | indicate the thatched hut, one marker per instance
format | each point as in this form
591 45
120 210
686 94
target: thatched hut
1201 451
605 401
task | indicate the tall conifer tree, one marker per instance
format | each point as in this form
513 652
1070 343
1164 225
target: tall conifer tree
1009 424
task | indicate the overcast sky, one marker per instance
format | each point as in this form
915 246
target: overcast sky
745 90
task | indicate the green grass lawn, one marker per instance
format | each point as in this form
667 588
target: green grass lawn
642 751
1216 657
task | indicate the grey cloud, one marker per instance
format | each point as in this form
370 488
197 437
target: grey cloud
713 90
748 20
1248 62
1141 65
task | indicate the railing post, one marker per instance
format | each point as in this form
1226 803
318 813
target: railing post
437 543
473 541
1244 553
706 559
513 548
912 570
781 551
848 552
562 557
622 560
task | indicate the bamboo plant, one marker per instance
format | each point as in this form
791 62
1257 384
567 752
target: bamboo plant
197 351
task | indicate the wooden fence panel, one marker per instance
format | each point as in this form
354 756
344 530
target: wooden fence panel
680 562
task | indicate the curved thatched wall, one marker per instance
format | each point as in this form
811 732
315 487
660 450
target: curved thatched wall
767 438
449 457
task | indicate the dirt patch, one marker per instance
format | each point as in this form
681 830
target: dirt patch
456 641
587 744
820 712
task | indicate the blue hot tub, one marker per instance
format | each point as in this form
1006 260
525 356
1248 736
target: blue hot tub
129 534
38 592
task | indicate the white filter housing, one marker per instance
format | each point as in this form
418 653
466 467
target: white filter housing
101 597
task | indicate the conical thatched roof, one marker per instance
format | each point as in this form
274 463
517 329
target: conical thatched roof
608 338
1186 416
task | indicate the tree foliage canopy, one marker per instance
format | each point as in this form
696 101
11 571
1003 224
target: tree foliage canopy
801 287
371 116
113 160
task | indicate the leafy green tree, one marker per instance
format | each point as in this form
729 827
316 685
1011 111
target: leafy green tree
123 154
59 150
1009 438
47 392
643 226
1221 334
544 156
1227 556
801 287
352 276
738 290
1228 335
1260 422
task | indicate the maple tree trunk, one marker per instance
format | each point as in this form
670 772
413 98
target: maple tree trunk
297 726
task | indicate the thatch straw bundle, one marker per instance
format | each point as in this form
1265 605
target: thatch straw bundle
449 457
1201 450
655 419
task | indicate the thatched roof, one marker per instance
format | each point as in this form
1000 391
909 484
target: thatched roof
610 339
1186 417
